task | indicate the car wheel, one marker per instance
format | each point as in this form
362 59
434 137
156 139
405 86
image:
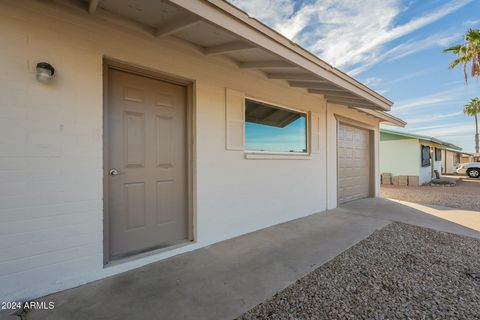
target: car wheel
473 173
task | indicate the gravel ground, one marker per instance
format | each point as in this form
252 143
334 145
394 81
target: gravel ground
399 272
465 195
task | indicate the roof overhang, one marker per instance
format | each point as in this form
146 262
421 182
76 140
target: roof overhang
454 150
216 27
425 139
432 142
384 117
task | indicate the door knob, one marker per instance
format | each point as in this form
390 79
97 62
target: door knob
113 172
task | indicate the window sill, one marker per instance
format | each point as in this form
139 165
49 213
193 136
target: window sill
275 156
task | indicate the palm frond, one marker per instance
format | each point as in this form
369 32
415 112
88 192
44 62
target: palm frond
456 62
472 108
467 53
454 49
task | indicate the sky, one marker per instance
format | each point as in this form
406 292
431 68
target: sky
291 138
394 47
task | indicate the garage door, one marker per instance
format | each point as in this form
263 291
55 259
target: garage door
353 163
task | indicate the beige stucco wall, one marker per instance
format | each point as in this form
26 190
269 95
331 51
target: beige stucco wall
426 174
450 161
51 207
400 157
403 157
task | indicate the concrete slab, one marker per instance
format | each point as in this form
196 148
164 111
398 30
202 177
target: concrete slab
458 221
224 280
218 282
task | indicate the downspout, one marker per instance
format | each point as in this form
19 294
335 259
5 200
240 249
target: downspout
432 162
445 162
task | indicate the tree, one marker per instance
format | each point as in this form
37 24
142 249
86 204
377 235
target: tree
472 109
468 53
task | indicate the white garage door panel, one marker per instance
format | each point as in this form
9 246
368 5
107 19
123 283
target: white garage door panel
353 163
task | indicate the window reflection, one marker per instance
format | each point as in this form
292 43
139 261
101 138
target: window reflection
273 129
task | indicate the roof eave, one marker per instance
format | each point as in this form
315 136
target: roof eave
447 145
227 16
384 117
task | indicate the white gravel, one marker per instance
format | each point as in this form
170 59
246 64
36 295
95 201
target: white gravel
399 272
465 195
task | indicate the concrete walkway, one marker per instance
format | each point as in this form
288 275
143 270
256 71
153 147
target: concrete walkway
226 279
462 222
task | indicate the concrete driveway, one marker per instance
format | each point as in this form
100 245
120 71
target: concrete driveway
458 221
465 195
227 279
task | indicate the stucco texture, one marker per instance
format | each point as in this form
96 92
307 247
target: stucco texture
51 150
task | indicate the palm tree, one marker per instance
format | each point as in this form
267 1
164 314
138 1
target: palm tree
468 53
472 109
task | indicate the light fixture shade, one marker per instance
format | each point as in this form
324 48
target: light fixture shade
45 72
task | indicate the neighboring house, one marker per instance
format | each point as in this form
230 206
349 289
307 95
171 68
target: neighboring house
167 126
467 157
452 157
408 154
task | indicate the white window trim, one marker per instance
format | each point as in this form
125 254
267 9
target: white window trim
278 156
272 155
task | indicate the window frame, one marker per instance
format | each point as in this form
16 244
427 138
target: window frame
438 154
256 154
423 162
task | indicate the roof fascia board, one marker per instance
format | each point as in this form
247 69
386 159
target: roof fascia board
385 117
419 138
406 134
251 30
423 138
432 141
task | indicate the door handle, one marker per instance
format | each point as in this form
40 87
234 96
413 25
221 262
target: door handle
113 172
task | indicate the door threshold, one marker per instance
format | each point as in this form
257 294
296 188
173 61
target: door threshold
147 253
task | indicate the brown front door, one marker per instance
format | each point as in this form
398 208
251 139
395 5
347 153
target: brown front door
147 168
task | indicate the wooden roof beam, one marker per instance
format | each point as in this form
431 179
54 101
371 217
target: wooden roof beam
341 95
349 102
92 6
228 47
325 91
318 85
307 77
177 25
266 64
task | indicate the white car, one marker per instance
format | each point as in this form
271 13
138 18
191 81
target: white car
471 169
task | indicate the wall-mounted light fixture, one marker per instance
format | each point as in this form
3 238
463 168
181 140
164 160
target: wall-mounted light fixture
45 72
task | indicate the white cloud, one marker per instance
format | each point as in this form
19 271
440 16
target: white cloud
349 34
381 91
408 76
423 102
471 23
432 117
406 49
447 130
453 96
372 81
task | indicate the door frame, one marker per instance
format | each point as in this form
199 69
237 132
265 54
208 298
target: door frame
371 136
111 63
